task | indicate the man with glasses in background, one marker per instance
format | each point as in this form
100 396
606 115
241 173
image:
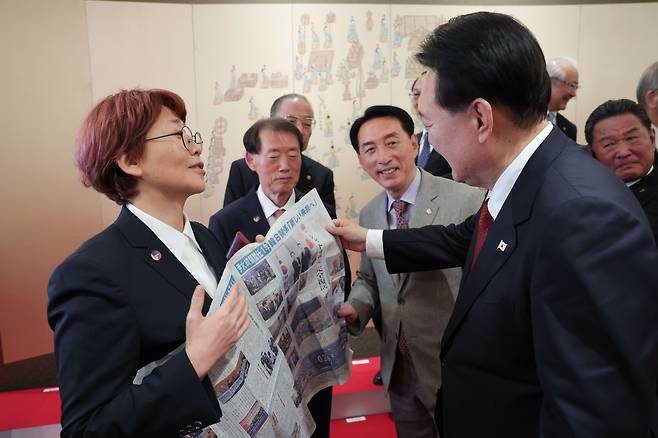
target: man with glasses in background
563 72
296 109
428 158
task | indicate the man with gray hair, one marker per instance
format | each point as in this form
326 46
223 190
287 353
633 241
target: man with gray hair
563 72
647 95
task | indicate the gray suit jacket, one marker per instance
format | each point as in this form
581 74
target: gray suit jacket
422 300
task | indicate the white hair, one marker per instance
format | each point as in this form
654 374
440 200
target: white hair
648 81
555 67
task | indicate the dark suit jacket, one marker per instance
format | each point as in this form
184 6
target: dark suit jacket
566 126
436 164
246 215
242 180
555 330
646 191
114 309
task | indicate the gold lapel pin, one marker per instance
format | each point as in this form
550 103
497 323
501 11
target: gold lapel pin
156 255
428 211
256 218
502 245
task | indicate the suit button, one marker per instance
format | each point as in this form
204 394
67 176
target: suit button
444 362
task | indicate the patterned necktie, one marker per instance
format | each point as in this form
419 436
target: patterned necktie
484 224
425 150
400 206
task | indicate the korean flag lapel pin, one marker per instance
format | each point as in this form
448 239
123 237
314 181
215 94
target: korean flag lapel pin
156 255
502 245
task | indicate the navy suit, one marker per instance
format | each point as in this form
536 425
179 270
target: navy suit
566 126
436 164
555 329
114 308
242 180
246 215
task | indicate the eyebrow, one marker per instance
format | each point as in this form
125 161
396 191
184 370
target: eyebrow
386 137
628 131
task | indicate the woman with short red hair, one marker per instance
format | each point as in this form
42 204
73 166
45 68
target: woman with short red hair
133 293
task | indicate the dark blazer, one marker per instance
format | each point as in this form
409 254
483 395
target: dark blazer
436 164
246 215
555 330
242 180
646 191
566 126
114 309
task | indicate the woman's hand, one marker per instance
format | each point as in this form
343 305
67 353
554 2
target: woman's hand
209 338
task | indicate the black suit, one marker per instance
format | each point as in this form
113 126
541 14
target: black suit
114 308
246 215
555 330
436 164
242 180
646 191
566 126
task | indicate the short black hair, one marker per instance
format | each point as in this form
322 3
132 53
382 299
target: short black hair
279 100
490 56
377 111
251 138
611 108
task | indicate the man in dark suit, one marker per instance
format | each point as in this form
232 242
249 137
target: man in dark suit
428 158
555 328
273 149
619 135
296 109
563 72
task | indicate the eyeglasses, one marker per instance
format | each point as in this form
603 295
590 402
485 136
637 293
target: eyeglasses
573 85
186 135
306 122
414 94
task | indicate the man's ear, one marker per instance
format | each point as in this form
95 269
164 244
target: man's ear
249 159
129 165
482 113
651 99
414 143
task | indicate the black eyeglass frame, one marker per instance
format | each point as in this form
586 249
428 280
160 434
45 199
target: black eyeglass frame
184 132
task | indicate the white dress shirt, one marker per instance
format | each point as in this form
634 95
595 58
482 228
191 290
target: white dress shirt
497 196
269 207
183 246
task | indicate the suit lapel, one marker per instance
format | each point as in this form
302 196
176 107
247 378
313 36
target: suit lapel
501 240
155 253
255 221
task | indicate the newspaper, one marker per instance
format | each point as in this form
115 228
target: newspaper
295 344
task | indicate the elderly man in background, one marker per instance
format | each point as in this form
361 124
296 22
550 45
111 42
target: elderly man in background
413 308
619 135
647 96
297 110
563 72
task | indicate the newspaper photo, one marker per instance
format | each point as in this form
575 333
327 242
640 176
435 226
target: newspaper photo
295 345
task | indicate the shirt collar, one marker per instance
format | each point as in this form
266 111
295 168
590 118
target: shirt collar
409 196
630 183
505 182
171 237
270 207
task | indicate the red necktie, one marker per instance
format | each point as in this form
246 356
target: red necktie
484 224
277 214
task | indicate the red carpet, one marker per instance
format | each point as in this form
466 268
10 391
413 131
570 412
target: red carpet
38 407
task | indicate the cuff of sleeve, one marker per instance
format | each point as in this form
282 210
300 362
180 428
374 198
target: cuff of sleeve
375 244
